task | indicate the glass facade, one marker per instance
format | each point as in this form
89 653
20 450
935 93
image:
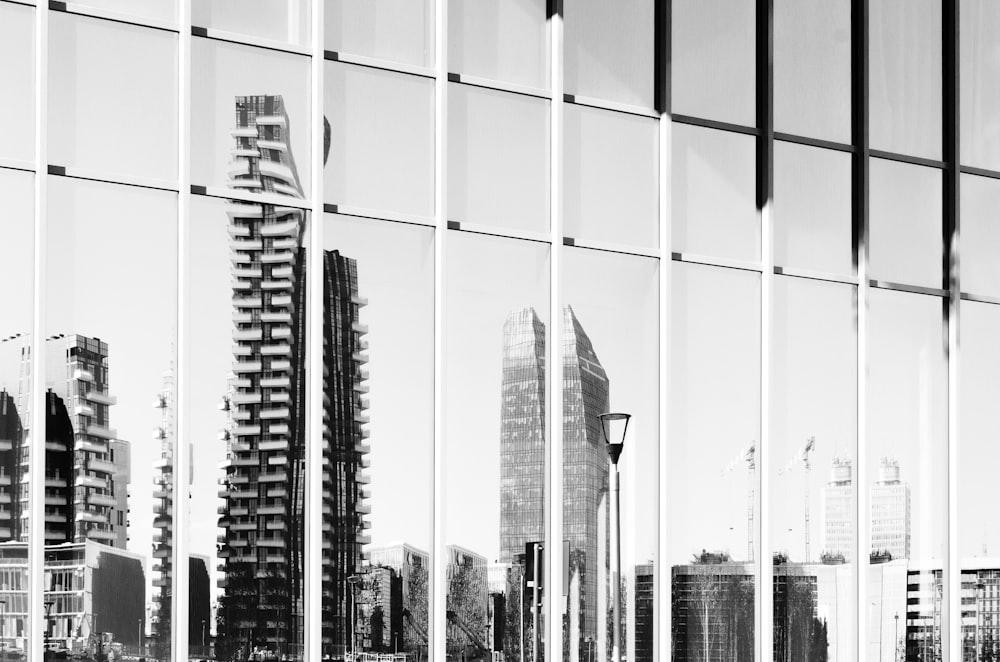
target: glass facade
357 253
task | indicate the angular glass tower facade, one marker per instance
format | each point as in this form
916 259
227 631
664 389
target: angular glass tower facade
585 462
522 434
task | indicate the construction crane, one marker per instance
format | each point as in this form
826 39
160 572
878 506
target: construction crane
803 457
748 455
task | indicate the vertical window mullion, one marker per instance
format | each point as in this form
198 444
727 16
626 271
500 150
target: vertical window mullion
315 441
36 496
662 643
182 460
951 64
763 594
859 215
437 638
554 346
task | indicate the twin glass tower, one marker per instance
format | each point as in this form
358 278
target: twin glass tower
585 463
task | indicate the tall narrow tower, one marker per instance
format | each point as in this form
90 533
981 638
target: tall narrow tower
585 461
262 546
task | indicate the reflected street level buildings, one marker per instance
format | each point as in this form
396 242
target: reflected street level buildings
86 467
261 547
585 461
890 512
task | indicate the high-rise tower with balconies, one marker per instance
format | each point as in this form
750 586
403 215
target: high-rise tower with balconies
86 466
11 433
262 544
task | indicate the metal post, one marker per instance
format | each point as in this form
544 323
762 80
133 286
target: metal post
895 641
616 567
524 585
979 591
534 606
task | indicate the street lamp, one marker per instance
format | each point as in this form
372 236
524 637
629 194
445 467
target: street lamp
980 590
895 642
614 426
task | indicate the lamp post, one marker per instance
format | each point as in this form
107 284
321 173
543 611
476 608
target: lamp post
980 590
895 640
614 426
3 616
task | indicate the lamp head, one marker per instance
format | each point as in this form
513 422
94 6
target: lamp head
614 426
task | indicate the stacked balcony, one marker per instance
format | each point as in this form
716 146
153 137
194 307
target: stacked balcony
265 241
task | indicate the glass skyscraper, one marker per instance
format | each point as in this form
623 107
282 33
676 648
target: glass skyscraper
585 461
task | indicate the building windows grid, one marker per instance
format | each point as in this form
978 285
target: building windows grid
765 135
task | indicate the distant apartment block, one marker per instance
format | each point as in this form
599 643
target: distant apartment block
890 512
838 511
412 566
645 623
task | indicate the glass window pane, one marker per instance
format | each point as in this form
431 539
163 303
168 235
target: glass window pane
611 174
715 428
980 96
978 392
813 450
609 50
281 20
108 356
907 460
905 76
610 359
980 236
905 233
714 195
812 68
494 476
498 158
231 83
978 540
381 139
713 65
393 264
16 269
249 370
505 41
397 30
96 122
17 79
163 10
812 202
